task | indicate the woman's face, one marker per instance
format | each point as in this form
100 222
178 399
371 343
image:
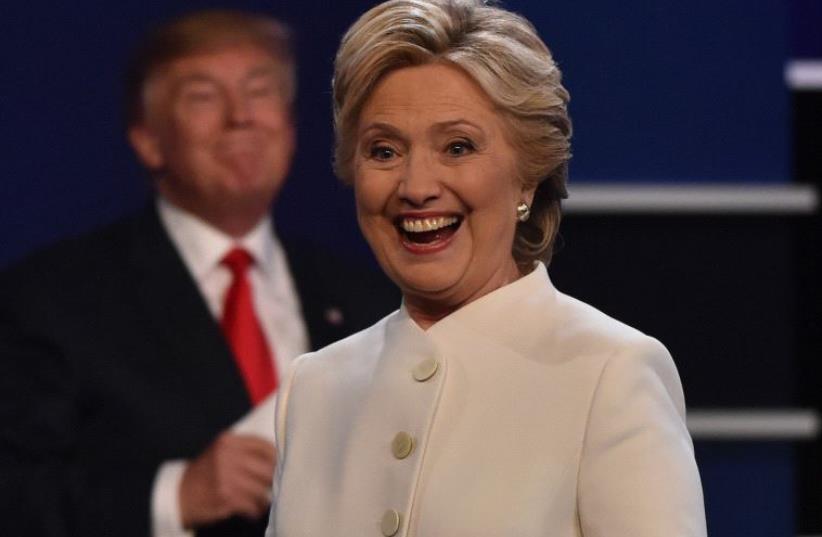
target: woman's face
436 188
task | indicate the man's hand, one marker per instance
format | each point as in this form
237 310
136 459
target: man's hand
231 477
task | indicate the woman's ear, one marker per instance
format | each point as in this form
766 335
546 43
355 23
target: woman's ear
527 195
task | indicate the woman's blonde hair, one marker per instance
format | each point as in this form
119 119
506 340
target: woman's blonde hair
502 52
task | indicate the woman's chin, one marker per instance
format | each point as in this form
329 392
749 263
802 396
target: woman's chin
425 269
427 286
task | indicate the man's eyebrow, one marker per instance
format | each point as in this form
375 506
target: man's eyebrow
194 78
266 70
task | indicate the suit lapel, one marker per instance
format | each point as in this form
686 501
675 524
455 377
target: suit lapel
171 301
325 317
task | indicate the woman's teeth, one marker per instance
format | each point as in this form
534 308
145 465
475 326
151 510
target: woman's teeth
418 225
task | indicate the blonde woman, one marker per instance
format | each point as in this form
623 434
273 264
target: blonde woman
489 404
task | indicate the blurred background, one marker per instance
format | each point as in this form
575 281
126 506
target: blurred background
694 194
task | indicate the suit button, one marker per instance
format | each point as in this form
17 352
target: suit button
425 369
403 445
390 524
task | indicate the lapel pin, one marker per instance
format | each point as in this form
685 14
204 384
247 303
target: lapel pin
334 316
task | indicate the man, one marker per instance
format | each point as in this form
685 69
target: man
128 356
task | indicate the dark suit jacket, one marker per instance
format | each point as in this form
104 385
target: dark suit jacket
110 364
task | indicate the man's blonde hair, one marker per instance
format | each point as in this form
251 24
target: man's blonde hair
203 32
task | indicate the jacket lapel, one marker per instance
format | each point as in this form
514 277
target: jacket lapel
325 318
172 303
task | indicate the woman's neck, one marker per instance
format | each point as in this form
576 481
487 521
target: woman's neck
427 309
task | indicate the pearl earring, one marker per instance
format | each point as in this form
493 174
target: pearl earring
523 211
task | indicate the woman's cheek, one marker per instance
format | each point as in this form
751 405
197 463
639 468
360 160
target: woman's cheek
371 195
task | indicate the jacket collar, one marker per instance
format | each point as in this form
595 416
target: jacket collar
202 246
169 300
506 316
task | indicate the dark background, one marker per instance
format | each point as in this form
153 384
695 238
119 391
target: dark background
663 91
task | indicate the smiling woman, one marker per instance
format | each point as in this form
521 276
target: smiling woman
490 403
436 188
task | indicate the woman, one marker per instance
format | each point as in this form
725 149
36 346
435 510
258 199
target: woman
490 403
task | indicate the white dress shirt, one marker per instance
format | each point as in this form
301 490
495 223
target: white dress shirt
276 304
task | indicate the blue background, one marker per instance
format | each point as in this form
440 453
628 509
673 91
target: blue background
662 90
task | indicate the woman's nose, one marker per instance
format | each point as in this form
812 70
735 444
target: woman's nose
420 182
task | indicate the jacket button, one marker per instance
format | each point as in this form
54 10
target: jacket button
390 524
403 445
425 369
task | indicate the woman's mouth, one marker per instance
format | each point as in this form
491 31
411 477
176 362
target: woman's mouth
427 234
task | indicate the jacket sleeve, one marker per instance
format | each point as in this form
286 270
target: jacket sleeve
280 433
50 488
638 476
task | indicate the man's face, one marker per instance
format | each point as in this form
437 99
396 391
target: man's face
218 132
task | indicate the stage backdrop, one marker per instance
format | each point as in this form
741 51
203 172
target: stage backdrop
661 91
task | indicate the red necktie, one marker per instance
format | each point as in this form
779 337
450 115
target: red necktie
243 331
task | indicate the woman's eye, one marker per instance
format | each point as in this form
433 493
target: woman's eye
382 152
460 147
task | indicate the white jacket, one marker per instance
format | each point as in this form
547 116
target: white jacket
541 417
